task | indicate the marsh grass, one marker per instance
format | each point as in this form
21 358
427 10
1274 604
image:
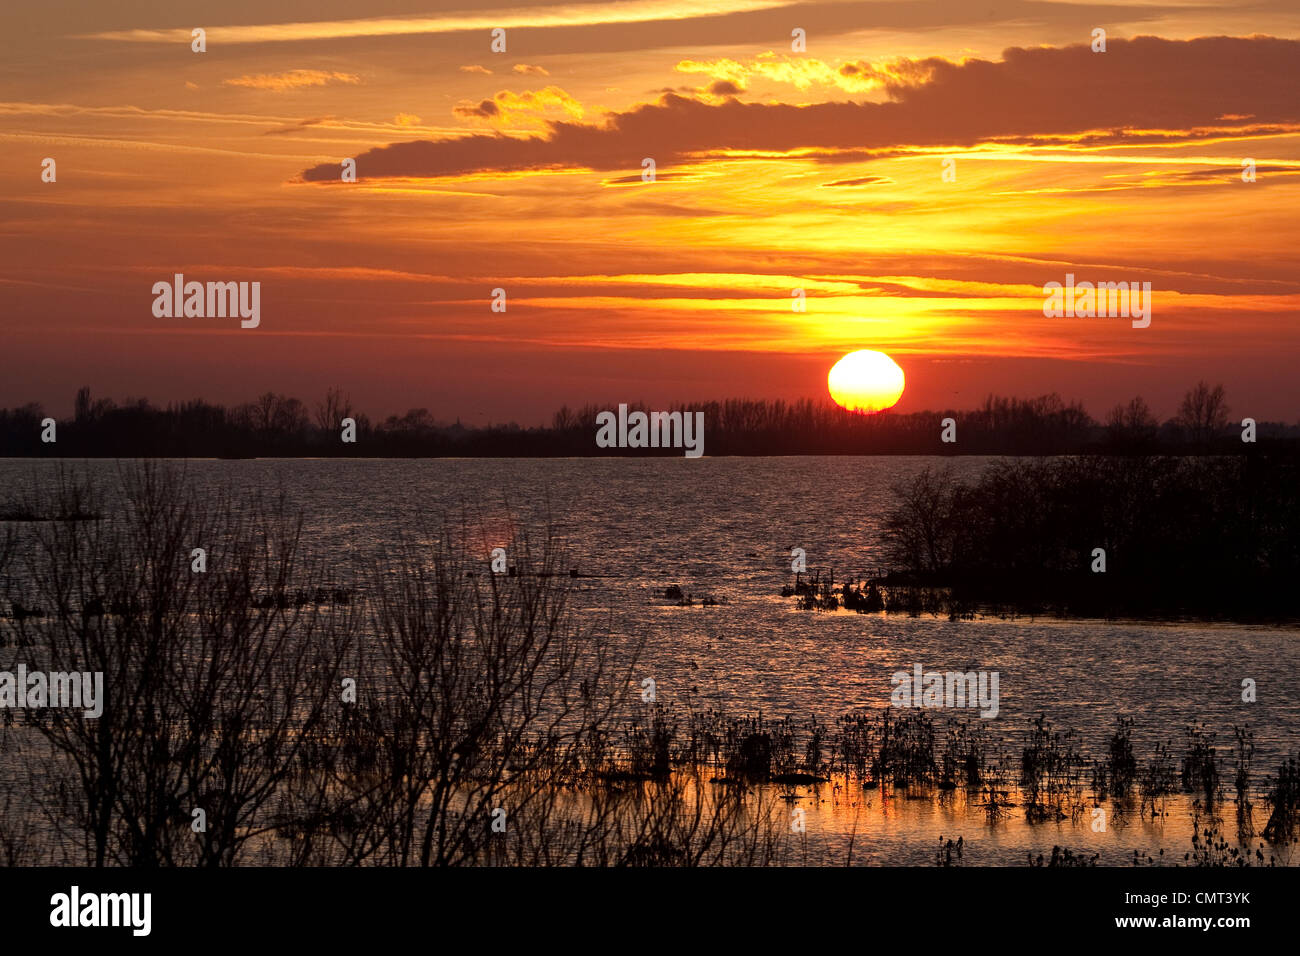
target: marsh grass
1283 801
1051 773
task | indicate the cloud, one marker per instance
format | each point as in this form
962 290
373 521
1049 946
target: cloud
636 180
509 109
534 17
803 72
531 70
475 68
1145 83
891 76
1212 174
297 127
407 119
486 109
291 80
724 69
862 181
128 116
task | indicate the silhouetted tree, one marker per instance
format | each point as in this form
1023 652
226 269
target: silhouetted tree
1131 425
1203 412
333 409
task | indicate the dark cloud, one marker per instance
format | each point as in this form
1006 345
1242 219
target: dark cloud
725 88
297 127
863 181
1146 84
484 110
1232 174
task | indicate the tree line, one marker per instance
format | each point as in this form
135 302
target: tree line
280 425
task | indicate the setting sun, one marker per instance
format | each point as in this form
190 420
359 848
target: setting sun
865 381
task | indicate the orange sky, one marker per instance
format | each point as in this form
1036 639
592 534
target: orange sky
775 170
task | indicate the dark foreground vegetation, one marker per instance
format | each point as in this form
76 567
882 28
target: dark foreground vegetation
281 426
1209 537
271 710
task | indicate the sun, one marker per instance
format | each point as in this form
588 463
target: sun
865 381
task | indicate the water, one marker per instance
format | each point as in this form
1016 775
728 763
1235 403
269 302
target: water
725 528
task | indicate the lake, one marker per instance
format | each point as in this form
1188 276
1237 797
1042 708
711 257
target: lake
725 528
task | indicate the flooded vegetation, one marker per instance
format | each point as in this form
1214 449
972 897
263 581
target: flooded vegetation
1101 536
262 705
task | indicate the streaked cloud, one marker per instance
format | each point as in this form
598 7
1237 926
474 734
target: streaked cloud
296 127
539 17
861 181
291 80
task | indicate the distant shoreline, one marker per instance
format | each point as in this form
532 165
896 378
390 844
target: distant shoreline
1289 448
280 426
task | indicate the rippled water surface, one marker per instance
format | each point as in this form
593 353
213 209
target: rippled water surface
724 527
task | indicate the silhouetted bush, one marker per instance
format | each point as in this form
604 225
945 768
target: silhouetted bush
1214 536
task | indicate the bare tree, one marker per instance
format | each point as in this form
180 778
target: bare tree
1131 424
264 410
212 677
1203 412
331 411
920 526
481 689
290 418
